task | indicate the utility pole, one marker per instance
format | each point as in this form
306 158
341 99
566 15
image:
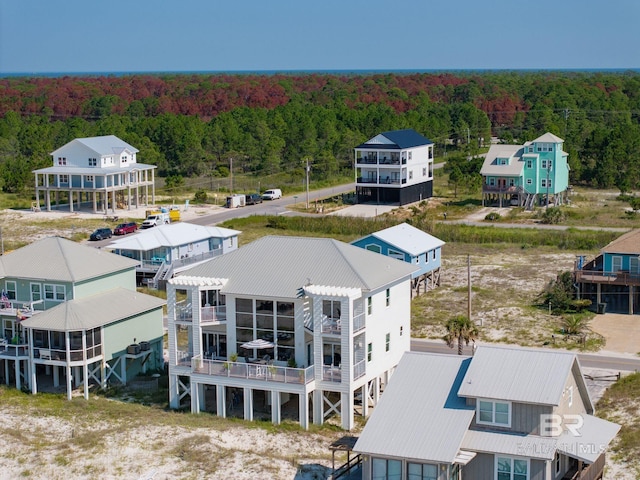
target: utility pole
469 287
307 169
230 175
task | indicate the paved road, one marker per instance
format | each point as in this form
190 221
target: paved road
589 360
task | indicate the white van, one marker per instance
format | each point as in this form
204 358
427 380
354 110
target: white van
272 194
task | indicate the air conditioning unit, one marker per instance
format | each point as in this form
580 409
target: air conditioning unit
144 346
133 349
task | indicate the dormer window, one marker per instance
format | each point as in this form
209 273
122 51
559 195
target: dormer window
492 412
124 159
62 161
93 162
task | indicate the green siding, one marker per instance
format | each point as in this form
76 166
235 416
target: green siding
125 279
119 335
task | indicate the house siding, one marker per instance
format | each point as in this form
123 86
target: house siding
124 279
119 335
482 467
525 418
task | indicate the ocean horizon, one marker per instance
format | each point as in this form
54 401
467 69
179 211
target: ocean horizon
354 72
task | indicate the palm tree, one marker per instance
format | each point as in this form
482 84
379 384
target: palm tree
460 329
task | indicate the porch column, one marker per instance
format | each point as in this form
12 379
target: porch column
123 370
69 378
248 403
318 407
113 201
195 398
221 401
85 369
95 202
630 299
103 374
598 292
276 409
303 409
364 394
34 386
17 372
71 200
56 376
346 410
174 393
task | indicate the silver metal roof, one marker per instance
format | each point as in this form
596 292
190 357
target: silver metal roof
518 375
171 235
595 436
103 145
420 416
408 239
71 170
548 138
517 444
512 152
94 311
275 266
56 258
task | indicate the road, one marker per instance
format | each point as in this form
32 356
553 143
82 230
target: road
589 360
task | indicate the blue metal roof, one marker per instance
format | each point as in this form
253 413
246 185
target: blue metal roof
400 139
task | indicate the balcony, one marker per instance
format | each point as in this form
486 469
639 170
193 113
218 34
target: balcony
252 371
500 189
208 314
588 472
382 161
609 278
21 310
382 180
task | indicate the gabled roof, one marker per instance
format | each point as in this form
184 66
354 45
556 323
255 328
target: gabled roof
408 238
94 311
548 138
279 266
59 259
397 139
420 415
171 235
512 152
104 145
629 243
520 375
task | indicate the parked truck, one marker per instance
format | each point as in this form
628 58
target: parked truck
236 200
156 218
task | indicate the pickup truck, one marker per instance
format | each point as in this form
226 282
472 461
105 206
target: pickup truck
155 220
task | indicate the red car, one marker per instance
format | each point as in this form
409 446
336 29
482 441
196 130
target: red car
124 228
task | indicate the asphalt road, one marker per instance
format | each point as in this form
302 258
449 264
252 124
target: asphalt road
589 360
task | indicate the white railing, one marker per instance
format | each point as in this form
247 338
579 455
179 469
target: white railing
359 369
359 322
331 325
331 373
253 371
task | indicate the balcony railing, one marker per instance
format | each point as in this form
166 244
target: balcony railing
331 326
21 310
381 161
331 373
381 180
262 372
359 322
589 472
501 189
613 278
184 313
359 369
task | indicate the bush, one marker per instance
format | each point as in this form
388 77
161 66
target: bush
492 217
201 196
553 216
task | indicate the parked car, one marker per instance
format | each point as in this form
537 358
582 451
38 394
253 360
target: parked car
101 234
272 194
253 198
124 228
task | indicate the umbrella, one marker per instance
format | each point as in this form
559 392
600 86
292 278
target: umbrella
258 343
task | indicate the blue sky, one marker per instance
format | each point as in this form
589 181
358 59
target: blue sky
41 36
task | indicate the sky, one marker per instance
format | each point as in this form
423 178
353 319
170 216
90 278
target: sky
73 36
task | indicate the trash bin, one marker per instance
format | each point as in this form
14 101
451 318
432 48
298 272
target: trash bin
602 308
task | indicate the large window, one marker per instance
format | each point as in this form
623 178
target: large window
11 290
512 468
421 471
397 254
36 292
489 412
369 305
382 469
373 248
54 292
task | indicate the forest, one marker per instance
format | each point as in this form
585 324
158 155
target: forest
191 125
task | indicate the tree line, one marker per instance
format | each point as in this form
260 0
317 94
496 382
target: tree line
190 125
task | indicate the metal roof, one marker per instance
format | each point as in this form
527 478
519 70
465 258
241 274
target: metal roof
397 139
103 145
548 138
408 238
171 235
420 416
276 266
94 311
595 436
518 375
629 243
512 152
56 258
506 443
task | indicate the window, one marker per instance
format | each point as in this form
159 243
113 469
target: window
64 178
557 463
387 342
511 182
36 292
634 265
124 159
62 160
54 292
544 164
421 471
331 308
529 181
492 181
489 412
388 297
369 306
395 254
570 396
11 290
616 263
529 163
89 178
433 254
383 469
93 162
400 330
410 155
369 351
373 248
512 468
424 172
410 174
546 183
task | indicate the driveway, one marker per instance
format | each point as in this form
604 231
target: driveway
621 332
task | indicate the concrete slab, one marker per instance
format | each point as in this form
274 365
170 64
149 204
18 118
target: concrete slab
364 210
621 332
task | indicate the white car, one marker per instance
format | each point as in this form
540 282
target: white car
272 194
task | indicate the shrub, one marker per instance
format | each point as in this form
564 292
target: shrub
553 216
492 217
201 196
